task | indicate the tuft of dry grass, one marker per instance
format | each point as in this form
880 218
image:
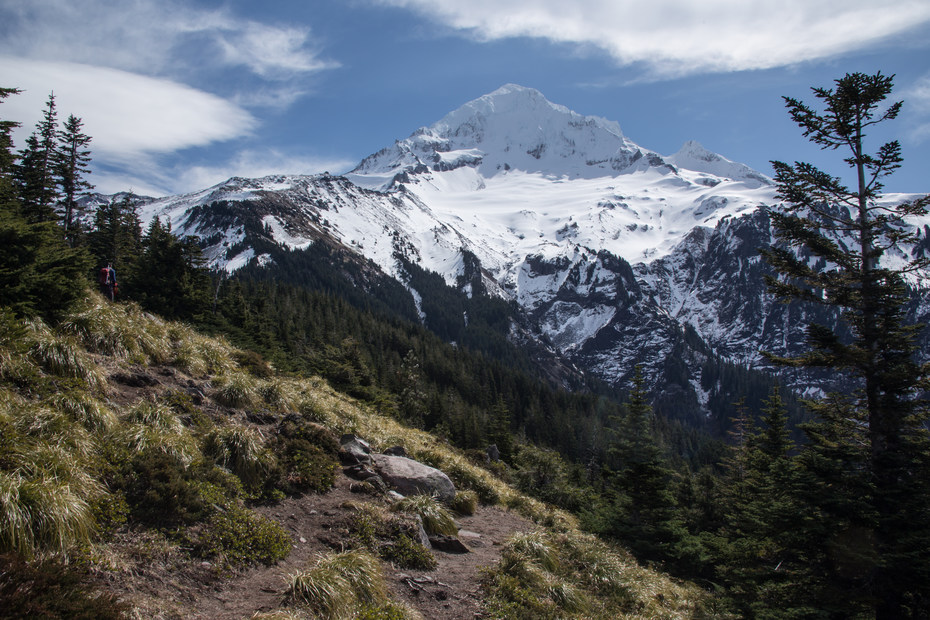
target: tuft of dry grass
154 425
61 355
236 389
435 518
85 410
240 449
338 584
41 515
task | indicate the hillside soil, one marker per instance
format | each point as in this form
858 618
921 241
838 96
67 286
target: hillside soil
164 581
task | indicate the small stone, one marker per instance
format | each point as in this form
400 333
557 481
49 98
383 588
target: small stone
303 540
449 544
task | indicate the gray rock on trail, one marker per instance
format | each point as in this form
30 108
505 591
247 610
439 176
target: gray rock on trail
354 450
410 477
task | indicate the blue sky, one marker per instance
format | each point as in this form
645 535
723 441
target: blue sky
180 95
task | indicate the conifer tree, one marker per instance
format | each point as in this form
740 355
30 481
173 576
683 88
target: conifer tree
170 276
646 516
7 156
38 188
71 166
851 229
760 566
39 273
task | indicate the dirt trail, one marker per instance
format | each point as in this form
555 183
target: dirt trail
449 591
167 584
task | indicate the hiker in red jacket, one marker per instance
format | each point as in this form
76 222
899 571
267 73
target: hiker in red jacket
108 281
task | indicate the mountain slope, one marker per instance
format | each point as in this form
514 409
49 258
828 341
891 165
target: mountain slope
609 252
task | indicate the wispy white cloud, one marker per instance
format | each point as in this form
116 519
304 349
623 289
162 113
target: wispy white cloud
128 115
677 37
917 109
125 68
155 37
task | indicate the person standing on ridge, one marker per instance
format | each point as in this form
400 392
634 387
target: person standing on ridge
108 281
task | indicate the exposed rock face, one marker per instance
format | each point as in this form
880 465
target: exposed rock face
409 477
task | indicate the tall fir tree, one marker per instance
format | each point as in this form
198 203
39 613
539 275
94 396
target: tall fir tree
39 273
851 229
38 187
71 167
7 155
646 515
759 563
170 276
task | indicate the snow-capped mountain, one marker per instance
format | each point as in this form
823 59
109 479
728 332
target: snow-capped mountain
615 254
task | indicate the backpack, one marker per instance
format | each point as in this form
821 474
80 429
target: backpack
104 275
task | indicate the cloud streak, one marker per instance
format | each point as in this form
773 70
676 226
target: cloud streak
678 37
128 115
155 37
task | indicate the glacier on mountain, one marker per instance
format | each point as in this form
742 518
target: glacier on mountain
612 251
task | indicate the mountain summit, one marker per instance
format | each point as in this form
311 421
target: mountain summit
512 128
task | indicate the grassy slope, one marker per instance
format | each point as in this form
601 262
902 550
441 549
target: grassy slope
65 426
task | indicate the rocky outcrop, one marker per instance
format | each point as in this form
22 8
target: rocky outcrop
410 477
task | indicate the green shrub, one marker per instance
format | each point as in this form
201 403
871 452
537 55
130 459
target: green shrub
110 510
387 611
296 427
51 589
392 537
244 537
253 363
405 552
302 467
161 491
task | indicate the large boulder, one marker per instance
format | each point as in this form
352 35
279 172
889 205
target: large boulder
410 477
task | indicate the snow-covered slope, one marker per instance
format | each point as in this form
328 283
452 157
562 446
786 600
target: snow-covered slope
615 254
520 176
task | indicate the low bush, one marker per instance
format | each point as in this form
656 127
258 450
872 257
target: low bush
302 467
161 491
387 611
243 537
407 553
393 537
52 589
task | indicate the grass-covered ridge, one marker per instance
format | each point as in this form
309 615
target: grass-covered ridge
86 460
